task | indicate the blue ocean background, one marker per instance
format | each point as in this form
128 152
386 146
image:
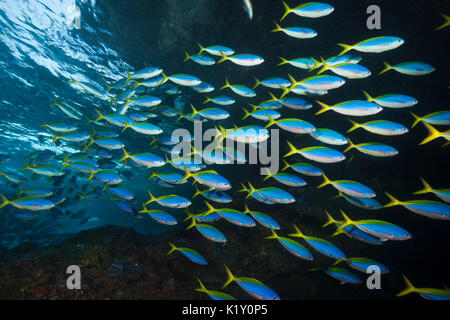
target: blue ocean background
40 52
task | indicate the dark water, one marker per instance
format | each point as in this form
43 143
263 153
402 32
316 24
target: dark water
39 55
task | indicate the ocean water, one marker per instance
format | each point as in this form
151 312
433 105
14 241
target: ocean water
41 50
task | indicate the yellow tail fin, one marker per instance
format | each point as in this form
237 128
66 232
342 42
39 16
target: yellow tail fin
287 10
187 56
224 57
172 248
277 27
426 187
355 126
329 221
351 145
325 67
257 83
227 84
324 107
446 23
326 181
433 133
4 201
271 122
230 277
273 236
409 287
387 67
346 48
293 150
297 234
368 97
417 119
393 202
283 61
202 287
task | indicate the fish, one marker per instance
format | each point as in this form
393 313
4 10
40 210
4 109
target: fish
209 232
346 70
107 177
296 32
363 264
160 216
293 103
169 177
377 228
320 245
203 87
373 148
308 10
435 118
426 293
381 127
261 114
412 68
374 45
318 154
121 192
354 233
13 177
148 160
222 100
293 125
303 168
318 82
301 63
273 83
231 215
287 179
263 219
341 274
37 192
143 127
215 114
393 100
351 108
189 253
145 73
216 196
241 90
427 208
61 127
364 203
214 295
247 134
272 194
246 59
333 61
184 79
217 50
349 187
248 7
200 59
329 136
443 194
253 287
209 178
89 87
67 109
171 201
292 246
28 203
